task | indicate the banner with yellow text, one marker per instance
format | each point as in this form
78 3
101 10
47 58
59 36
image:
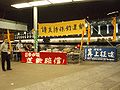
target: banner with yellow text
62 28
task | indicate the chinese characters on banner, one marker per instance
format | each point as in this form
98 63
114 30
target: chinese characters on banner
97 53
44 57
62 28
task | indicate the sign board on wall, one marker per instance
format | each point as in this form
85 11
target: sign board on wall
100 53
62 28
2 36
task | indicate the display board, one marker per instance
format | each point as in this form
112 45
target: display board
2 36
44 57
100 53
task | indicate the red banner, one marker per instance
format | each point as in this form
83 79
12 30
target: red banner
44 57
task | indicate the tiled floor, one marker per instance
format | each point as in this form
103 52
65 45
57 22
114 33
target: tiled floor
86 76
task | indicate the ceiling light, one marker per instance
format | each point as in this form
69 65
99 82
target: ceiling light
31 4
39 3
21 5
78 0
59 1
114 12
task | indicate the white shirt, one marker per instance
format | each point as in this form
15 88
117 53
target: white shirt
19 46
4 47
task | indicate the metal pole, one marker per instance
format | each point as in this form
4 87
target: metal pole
35 14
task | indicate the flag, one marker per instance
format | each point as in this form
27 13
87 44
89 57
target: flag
89 33
8 36
82 40
114 31
33 31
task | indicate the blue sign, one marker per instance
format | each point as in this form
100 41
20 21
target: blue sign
100 53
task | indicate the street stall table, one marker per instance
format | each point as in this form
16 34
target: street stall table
15 55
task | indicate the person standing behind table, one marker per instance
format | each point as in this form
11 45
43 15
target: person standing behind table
19 47
26 47
5 55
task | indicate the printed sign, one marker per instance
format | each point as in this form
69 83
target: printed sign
62 28
2 36
44 57
100 53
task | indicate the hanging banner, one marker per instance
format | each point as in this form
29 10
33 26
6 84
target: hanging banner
62 28
89 33
82 41
8 36
114 32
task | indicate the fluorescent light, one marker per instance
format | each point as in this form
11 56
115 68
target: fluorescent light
31 4
39 3
59 1
115 12
21 5
78 0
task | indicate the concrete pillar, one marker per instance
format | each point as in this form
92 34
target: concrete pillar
35 17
